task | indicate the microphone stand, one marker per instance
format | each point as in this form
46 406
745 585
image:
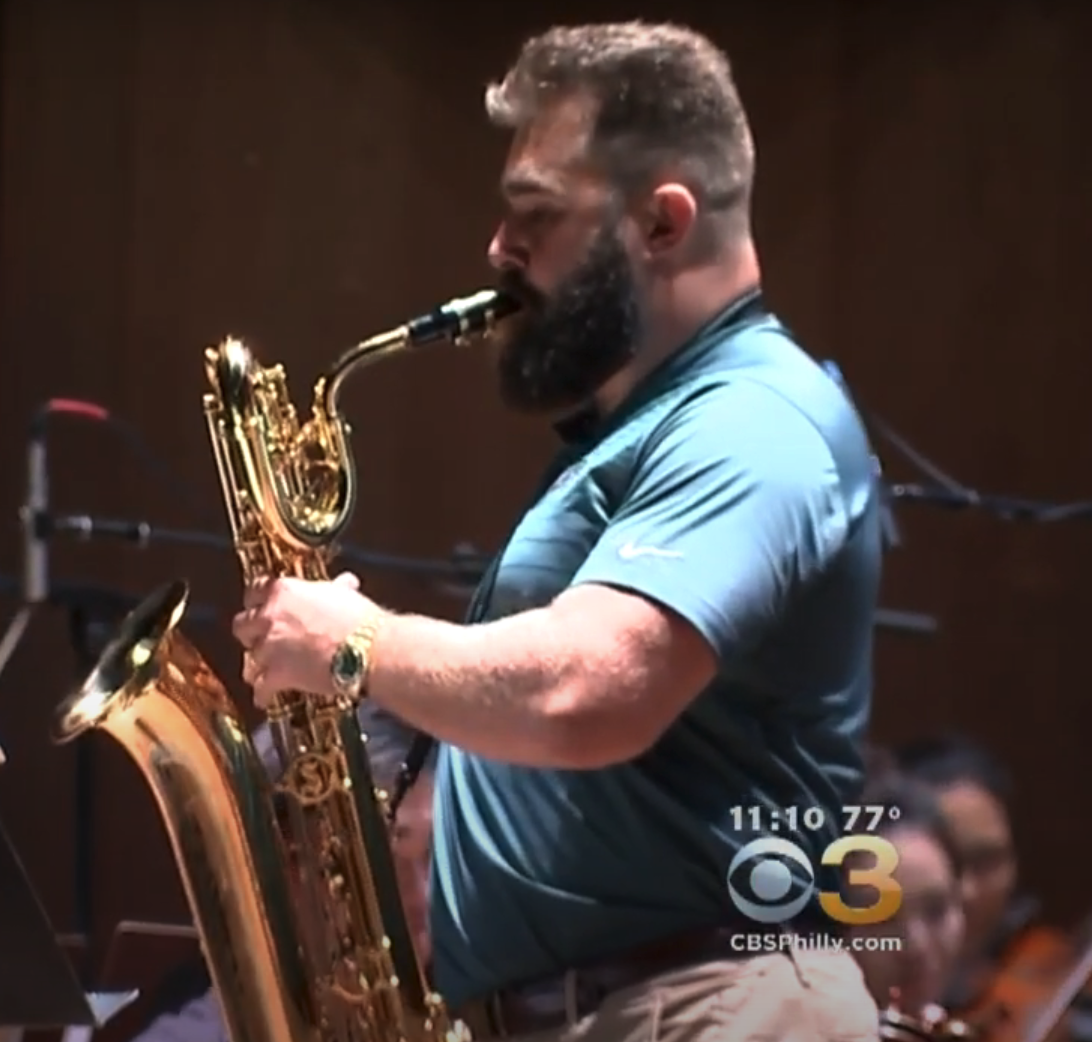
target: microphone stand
92 615
464 564
35 592
458 574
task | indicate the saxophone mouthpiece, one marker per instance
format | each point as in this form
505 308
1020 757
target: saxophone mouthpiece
464 316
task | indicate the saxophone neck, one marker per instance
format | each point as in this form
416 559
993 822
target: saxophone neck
454 322
328 387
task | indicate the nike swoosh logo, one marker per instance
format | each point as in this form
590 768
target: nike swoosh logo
627 551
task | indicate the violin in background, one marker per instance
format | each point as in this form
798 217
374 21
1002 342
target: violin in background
934 1024
1032 987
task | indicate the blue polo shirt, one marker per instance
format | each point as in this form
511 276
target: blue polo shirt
736 486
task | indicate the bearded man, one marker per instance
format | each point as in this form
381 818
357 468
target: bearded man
676 640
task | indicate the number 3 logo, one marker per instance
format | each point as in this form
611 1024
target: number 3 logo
879 877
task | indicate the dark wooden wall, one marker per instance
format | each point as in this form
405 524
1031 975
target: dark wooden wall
307 173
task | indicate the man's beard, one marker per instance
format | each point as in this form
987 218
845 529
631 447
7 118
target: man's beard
560 349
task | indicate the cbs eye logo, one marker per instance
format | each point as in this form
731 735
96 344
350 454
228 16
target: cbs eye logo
771 880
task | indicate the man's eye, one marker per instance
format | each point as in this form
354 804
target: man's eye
536 217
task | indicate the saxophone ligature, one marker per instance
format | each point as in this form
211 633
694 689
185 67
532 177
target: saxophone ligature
290 879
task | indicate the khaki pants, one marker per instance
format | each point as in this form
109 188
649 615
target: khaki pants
803 996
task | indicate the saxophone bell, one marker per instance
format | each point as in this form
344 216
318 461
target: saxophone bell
126 665
152 692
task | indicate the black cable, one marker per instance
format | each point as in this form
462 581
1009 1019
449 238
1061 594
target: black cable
947 491
159 469
1006 508
154 465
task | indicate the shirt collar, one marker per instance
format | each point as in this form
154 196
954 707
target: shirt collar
585 426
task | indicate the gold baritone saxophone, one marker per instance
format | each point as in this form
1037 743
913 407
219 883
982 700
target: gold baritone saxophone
289 875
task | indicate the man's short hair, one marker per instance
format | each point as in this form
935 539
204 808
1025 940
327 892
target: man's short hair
665 101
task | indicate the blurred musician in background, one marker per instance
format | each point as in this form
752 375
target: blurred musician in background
186 1008
1019 976
973 791
930 921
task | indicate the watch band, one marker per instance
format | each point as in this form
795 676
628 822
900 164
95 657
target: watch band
352 660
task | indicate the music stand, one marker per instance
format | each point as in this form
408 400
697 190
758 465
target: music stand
38 986
140 958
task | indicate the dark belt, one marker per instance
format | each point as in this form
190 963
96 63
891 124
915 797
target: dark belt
549 1003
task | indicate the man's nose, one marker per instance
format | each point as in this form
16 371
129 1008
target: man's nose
495 253
503 253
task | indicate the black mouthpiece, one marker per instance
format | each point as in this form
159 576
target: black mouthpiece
463 317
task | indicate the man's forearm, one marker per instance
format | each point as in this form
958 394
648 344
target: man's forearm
499 689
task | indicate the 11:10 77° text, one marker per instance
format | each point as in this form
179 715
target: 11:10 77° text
855 817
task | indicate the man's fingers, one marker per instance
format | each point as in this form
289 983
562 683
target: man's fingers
257 676
251 673
264 693
249 627
257 593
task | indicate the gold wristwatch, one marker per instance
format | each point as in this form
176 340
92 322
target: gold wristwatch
353 658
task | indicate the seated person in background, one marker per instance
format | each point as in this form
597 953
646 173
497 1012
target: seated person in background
973 791
187 1009
929 923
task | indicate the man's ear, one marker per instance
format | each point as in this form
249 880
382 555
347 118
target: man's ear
669 218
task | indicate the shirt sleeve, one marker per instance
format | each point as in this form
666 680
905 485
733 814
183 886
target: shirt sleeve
735 505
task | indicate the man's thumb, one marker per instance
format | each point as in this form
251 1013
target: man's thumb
348 579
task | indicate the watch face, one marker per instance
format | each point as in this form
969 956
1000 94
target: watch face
347 666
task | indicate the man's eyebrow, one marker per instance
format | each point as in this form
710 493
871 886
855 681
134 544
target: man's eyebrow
528 182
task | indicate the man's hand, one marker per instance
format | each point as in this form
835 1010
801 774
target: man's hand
290 629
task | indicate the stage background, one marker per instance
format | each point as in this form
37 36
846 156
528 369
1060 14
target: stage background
308 173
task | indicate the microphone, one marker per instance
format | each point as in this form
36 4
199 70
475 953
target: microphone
140 532
35 584
35 556
35 551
